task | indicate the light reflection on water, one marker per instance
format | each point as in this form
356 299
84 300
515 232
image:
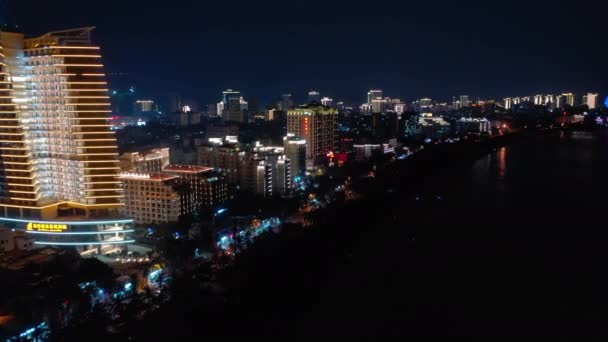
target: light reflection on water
502 162
553 170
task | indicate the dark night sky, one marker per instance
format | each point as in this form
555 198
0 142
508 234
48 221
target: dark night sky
409 49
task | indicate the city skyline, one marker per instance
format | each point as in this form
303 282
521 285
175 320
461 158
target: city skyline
264 57
300 169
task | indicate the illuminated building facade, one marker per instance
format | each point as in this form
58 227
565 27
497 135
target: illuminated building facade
373 95
379 105
591 100
154 198
153 161
366 108
366 151
326 101
295 150
143 106
270 114
563 100
58 154
223 156
275 160
233 110
433 127
464 101
426 103
255 175
400 108
472 125
207 187
316 125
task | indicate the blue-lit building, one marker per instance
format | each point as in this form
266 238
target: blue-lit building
100 234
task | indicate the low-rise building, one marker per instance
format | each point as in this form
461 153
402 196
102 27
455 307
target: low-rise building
433 127
154 198
208 187
366 151
472 125
11 240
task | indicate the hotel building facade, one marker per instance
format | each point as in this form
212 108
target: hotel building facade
59 162
316 125
180 190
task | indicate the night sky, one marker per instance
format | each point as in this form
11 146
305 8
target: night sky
410 49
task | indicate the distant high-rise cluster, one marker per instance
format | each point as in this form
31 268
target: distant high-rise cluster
552 101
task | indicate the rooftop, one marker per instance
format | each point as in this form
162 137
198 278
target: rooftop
463 119
313 106
150 177
187 169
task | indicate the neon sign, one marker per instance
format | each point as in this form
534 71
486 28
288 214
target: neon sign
46 227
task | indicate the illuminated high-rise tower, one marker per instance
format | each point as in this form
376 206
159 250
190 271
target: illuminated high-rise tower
233 110
591 100
464 101
328 102
58 154
563 100
373 95
316 125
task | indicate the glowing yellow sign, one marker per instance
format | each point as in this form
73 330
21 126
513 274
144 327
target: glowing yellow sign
47 227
